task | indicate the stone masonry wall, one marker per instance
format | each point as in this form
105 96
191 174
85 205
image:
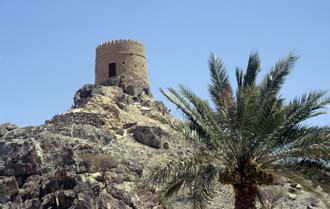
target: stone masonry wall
128 56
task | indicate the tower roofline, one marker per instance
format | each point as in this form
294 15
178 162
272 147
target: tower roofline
119 42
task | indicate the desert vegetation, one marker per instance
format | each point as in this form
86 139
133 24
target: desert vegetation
248 137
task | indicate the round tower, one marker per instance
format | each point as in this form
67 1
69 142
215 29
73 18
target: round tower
122 61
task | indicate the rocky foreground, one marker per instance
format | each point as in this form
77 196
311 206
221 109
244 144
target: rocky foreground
98 155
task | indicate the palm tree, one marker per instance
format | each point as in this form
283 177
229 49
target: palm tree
248 138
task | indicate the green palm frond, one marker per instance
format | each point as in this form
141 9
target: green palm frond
268 117
274 80
221 92
306 106
178 183
253 135
252 70
174 170
203 186
300 109
181 103
215 132
205 112
220 89
190 172
200 122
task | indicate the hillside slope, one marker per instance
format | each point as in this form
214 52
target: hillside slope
97 155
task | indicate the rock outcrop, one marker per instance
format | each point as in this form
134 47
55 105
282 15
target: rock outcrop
97 155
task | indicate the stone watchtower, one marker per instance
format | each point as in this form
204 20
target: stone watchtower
122 63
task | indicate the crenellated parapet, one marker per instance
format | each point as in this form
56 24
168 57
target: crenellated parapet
120 41
120 46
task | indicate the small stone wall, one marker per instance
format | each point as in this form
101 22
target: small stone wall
77 118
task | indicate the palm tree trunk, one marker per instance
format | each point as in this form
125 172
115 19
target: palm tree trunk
245 196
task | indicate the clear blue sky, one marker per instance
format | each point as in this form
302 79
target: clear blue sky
47 48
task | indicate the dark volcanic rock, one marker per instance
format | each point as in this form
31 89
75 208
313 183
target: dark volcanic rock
82 96
22 159
31 187
150 136
9 188
129 84
5 127
131 90
156 105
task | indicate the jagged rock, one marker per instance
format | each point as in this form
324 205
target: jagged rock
131 90
134 167
166 145
156 105
299 186
150 136
24 162
129 125
23 133
9 188
146 108
31 203
311 207
7 127
292 196
120 132
3 131
31 187
57 183
18 204
129 84
133 86
10 126
83 95
65 199
292 190
97 162
121 105
121 195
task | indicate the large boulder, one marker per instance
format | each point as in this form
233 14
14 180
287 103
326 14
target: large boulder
5 127
8 189
82 96
20 158
149 135
130 85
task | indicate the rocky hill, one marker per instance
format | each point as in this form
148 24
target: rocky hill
98 154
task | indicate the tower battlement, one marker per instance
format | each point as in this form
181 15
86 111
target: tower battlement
120 47
120 42
120 59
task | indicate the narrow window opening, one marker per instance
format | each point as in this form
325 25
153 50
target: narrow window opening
112 70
